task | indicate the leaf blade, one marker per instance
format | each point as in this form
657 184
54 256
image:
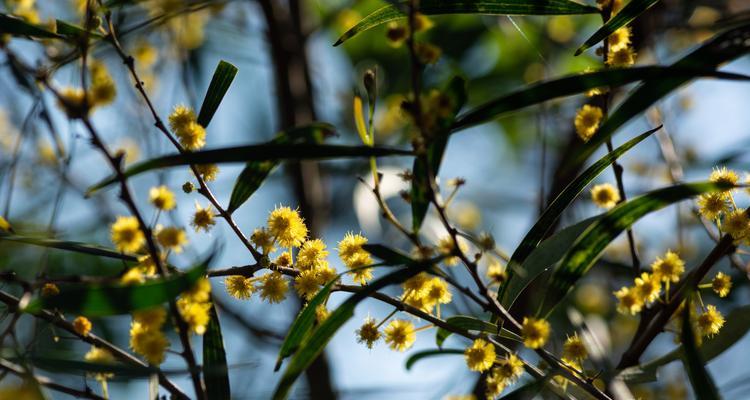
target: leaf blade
429 353
700 379
217 89
216 371
628 13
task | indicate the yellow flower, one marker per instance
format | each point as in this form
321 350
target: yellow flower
620 39
446 246
208 171
181 117
284 259
605 196
480 355
710 321
587 121
509 369
668 268
496 272
362 275
239 287
99 355
145 54
737 224
494 386
150 343
535 332
427 53
5 225
127 235
629 301
325 274
368 333
203 218
102 90
273 287
306 284
321 313
200 292
72 101
151 318
437 292
262 238
350 246
721 284
172 238
132 276
50 289
311 254
287 227
647 287
192 137
82 325
146 265
194 313
622 57
400 334
712 205
162 198
574 349
396 34
724 176
416 286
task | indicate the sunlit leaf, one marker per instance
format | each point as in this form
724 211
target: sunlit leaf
631 11
703 385
220 82
76 247
420 355
215 360
18 27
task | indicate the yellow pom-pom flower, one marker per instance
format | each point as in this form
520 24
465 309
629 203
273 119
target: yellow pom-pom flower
152 344
574 349
162 198
628 301
535 332
437 292
172 238
203 218
195 314
647 287
587 121
263 238
605 196
721 284
50 289
509 369
400 334
306 284
151 318
273 287
287 227
82 325
737 224
368 333
127 235
621 57
181 117
710 321
208 171
619 39
724 176
350 246
712 205
311 255
480 356
239 287
669 268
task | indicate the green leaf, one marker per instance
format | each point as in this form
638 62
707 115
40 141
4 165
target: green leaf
303 324
735 328
579 83
628 13
257 152
220 82
528 390
722 48
215 360
17 26
75 31
589 245
703 385
388 255
429 353
99 300
429 163
552 213
468 323
77 247
313 344
394 12
255 172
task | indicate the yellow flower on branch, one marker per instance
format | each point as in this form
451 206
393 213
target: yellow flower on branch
587 121
480 356
239 287
669 268
721 284
287 227
127 235
82 325
162 198
535 332
273 287
368 333
605 195
400 334
710 321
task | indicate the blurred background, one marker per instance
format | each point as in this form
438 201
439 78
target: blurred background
509 165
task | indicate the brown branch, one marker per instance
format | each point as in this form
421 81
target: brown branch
49 383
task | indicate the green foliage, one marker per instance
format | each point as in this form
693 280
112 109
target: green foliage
703 384
628 13
420 355
215 360
220 82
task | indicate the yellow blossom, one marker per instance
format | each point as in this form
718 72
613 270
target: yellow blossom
619 39
350 246
181 117
710 321
5 225
721 284
712 205
50 289
273 287
724 176
208 171
311 254
239 286
162 198
200 292
480 355
203 218
587 121
622 57
71 100
400 334
287 227
127 235
535 332
99 355
668 268
574 349
629 301
147 265
497 272
437 292
647 287
321 313
284 259
132 276
192 137
494 385
737 224
172 238
447 247
194 313
509 368
605 195
306 284
151 318
82 325
416 286
150 343
262 238
325 274
357 265
368 333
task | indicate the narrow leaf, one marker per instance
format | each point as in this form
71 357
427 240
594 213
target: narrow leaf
551 214
468 323
394 12
528 390
388 255
112 299
703 385
18 27
313 345
215 360
258 152
589 245
76 247
220 82
579 83
255 172
628 13
429 353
